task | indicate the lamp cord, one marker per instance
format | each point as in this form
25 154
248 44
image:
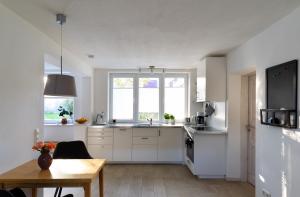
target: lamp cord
61 24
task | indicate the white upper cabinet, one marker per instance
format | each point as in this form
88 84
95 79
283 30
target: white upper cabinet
211 79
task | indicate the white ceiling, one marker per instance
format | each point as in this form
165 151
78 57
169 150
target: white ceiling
164 33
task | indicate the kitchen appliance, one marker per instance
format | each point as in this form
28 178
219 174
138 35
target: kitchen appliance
189 143
100 119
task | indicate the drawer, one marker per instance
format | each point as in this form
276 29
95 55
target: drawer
100 132
100 140
140 132
101 151
144 153
145 140
123 131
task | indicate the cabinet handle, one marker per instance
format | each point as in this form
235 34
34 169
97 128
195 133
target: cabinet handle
158 132
100 138
144 138
123 129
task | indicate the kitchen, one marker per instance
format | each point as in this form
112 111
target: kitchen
196 139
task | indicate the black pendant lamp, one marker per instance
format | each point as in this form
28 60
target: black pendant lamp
59 84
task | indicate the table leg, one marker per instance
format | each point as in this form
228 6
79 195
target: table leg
87 190
34 192
101 188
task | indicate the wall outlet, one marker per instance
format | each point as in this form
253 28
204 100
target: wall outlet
266 193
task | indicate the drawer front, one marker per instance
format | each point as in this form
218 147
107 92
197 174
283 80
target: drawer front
100 132
145 140
123 131
144 153
145 132
101 151
100 140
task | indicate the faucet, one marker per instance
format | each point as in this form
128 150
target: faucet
150 121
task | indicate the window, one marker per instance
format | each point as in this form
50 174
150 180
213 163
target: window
138 97
122 101
148 98
54 107
175 96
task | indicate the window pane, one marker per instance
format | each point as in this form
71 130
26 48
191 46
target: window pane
175 97
148 98
122 98
54 108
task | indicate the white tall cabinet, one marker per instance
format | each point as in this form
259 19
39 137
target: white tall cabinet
211 79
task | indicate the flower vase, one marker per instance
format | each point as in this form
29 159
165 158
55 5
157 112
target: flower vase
64 121
173 122
166 121
45 160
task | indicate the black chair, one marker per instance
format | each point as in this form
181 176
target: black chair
70 150
16 192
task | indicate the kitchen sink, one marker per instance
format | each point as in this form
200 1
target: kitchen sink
147 125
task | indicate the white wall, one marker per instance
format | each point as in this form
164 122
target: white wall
22 51
101 90
277 150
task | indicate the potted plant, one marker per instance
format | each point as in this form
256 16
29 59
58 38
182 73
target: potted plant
62 113
172 118
166 117
45 159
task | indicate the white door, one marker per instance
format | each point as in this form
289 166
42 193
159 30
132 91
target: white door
251 128
170 144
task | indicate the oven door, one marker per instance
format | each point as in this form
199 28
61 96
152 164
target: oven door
189 143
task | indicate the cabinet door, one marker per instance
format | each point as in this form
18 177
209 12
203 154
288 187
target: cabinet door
216 79
122 144
144 152
101 151
201 82
170 144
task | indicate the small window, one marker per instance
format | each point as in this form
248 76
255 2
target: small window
56 107
122 94
148 99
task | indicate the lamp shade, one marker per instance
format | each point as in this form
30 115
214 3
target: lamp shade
60 85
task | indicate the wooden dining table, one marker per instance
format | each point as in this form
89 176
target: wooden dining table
62 173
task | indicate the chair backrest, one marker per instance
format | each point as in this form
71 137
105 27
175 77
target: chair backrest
71 150
17 192
4 193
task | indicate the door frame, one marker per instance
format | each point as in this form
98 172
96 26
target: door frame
244 121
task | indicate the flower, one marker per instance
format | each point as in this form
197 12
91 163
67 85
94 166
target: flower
44 146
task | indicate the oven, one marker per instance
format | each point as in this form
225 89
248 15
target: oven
189 144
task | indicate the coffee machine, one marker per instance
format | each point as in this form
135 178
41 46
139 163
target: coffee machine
200 118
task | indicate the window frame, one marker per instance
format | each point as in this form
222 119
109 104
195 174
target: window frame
136 76
70 120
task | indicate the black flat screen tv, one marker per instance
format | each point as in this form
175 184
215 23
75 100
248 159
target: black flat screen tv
282 86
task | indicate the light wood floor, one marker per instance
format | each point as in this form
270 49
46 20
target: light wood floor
166 181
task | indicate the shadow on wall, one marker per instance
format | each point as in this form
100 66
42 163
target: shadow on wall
280 151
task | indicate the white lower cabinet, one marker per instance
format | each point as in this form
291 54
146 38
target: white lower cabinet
144 146
100 143
144 152
170 145
136 144
122 147
101 151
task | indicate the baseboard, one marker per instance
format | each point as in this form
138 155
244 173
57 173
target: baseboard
146 162
232 179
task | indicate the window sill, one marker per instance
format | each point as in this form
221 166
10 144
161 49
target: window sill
65 125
